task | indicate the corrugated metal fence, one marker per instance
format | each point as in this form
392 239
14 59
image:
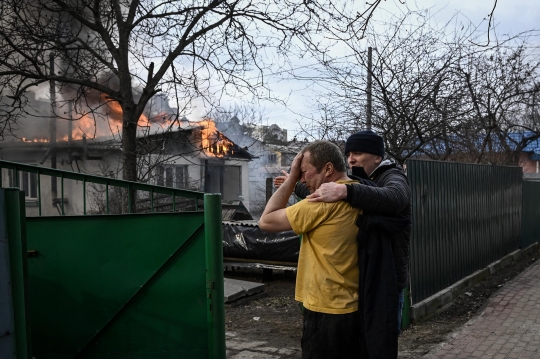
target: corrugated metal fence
465 217
531 213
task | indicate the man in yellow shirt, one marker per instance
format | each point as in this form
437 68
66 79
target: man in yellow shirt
328 275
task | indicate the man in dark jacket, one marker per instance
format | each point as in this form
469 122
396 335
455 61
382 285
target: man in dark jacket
384 235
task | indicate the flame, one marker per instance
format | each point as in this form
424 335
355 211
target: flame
90 126
87 126
24 139
115 115
212 141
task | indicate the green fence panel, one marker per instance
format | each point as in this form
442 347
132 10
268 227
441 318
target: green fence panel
80 183
214 279
16 338
465 217
126 286
531 213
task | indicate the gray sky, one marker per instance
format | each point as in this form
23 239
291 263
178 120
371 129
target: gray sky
511 17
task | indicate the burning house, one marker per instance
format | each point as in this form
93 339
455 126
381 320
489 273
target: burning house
173 153
269 158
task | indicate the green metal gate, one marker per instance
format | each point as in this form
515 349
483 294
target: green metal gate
126 286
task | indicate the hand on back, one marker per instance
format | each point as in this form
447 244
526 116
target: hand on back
329 192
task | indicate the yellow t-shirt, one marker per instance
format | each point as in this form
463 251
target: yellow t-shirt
328 275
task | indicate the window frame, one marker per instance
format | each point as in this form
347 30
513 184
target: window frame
26 182
166 176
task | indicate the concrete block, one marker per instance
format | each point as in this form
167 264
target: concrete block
235 289
417 311
437 301
535 247
444 297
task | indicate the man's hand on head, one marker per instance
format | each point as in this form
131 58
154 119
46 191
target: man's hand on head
296 170
297 162
274 217
329 192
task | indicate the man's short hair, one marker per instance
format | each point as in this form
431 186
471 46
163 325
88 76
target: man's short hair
323 152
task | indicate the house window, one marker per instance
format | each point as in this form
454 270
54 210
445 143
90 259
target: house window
172 176
271 158
286 159
26 182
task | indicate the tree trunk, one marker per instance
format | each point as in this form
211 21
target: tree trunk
129 157
129 147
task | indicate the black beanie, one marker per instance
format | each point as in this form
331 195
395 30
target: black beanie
365 141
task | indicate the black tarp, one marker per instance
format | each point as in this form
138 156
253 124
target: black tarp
249 242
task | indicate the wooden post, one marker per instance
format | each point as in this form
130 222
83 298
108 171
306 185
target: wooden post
268 273
369 88
269 184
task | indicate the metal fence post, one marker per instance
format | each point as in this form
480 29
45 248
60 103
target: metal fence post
7 325
405 315
214 276
530 213
16 238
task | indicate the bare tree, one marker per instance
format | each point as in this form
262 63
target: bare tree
435 93
500 85
120 53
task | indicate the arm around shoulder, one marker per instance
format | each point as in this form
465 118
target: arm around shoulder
390 198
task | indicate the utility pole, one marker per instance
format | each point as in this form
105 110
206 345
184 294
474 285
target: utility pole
70 130
368 90
52 127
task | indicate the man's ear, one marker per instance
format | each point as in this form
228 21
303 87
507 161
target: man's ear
328 169
378 160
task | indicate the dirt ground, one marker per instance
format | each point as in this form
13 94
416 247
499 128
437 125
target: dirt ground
276 317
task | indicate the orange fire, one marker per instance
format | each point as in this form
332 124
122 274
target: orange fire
35 139
90 127
212 141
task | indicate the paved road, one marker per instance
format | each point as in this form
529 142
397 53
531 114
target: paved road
507 328
243 348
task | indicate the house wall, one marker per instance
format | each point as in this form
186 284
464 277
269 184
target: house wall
528 165
244 195
254 178
197 166
72 190
257 179
259 168
108 164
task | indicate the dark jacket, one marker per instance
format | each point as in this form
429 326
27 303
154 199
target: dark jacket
378 295
391 198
